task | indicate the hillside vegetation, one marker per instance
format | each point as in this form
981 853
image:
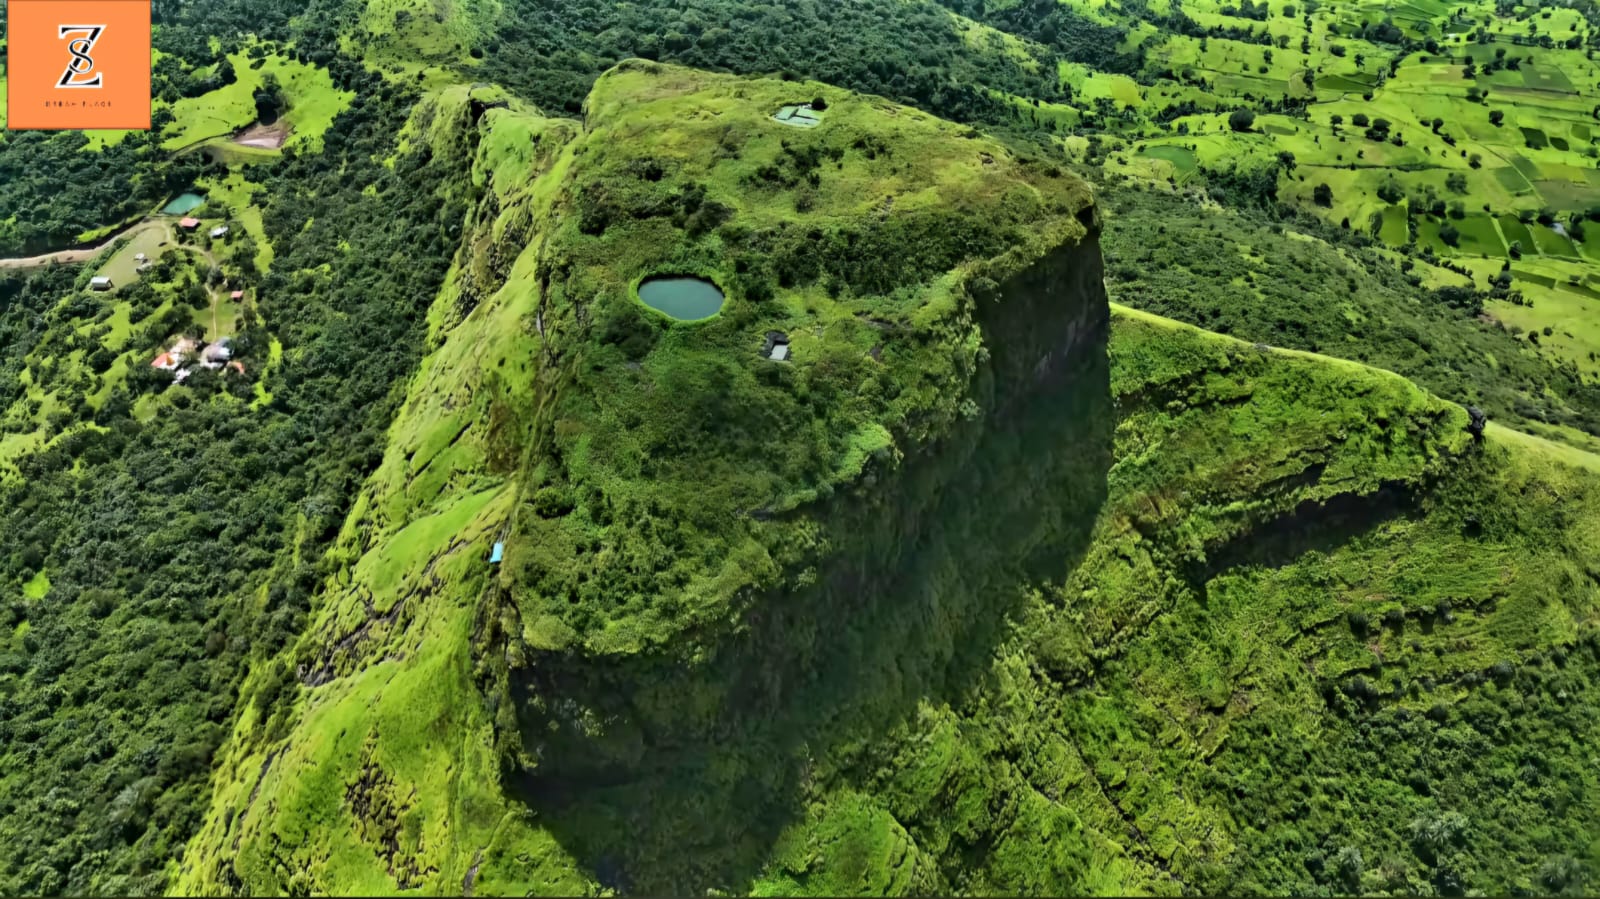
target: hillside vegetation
1067 682
936 559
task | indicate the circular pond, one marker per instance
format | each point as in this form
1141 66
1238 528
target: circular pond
683 298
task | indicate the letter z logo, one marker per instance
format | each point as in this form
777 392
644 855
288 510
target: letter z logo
75 64
80 69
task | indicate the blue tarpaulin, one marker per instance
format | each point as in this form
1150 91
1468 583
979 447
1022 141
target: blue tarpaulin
498 554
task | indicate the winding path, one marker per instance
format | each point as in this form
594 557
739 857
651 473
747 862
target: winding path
68 257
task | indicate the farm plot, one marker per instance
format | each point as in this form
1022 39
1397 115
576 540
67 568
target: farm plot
1479 236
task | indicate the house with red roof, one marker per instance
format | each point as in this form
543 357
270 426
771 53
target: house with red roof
189 223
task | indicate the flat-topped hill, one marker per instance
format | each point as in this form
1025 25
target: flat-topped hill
671 465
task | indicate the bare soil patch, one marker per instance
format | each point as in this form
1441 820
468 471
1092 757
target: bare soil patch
265 137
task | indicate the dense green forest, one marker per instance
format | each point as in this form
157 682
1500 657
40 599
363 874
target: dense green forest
985 587
178 548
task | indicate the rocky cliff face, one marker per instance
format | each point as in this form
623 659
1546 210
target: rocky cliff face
914 572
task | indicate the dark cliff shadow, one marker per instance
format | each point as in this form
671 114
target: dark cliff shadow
669 779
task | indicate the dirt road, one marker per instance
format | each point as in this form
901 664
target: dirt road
67 257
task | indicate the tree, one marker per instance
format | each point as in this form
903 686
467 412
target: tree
818 103
1450 234
1323 195
1241 119
1336 120
1456 182
1347 864
1359 120
269 100
1560 873
1432 834
1496 117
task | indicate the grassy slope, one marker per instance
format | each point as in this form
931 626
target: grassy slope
1271 286
410 714
313 102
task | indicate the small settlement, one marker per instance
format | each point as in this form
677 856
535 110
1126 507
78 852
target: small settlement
179 358
186 355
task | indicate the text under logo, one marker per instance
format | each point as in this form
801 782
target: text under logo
80 71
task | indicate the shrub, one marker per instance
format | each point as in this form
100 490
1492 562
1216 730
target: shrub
1359 623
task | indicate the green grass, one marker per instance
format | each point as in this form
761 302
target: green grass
1567 309
1396 229
1552 244
1512 179
313 102
1181 158
36 587
1479 236
234 191
1516 232
122 267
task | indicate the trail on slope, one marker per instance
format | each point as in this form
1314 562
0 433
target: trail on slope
70 257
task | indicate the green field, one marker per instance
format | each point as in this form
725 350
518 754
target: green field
1181 158
313 103
1396 230
1479 236
122 267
